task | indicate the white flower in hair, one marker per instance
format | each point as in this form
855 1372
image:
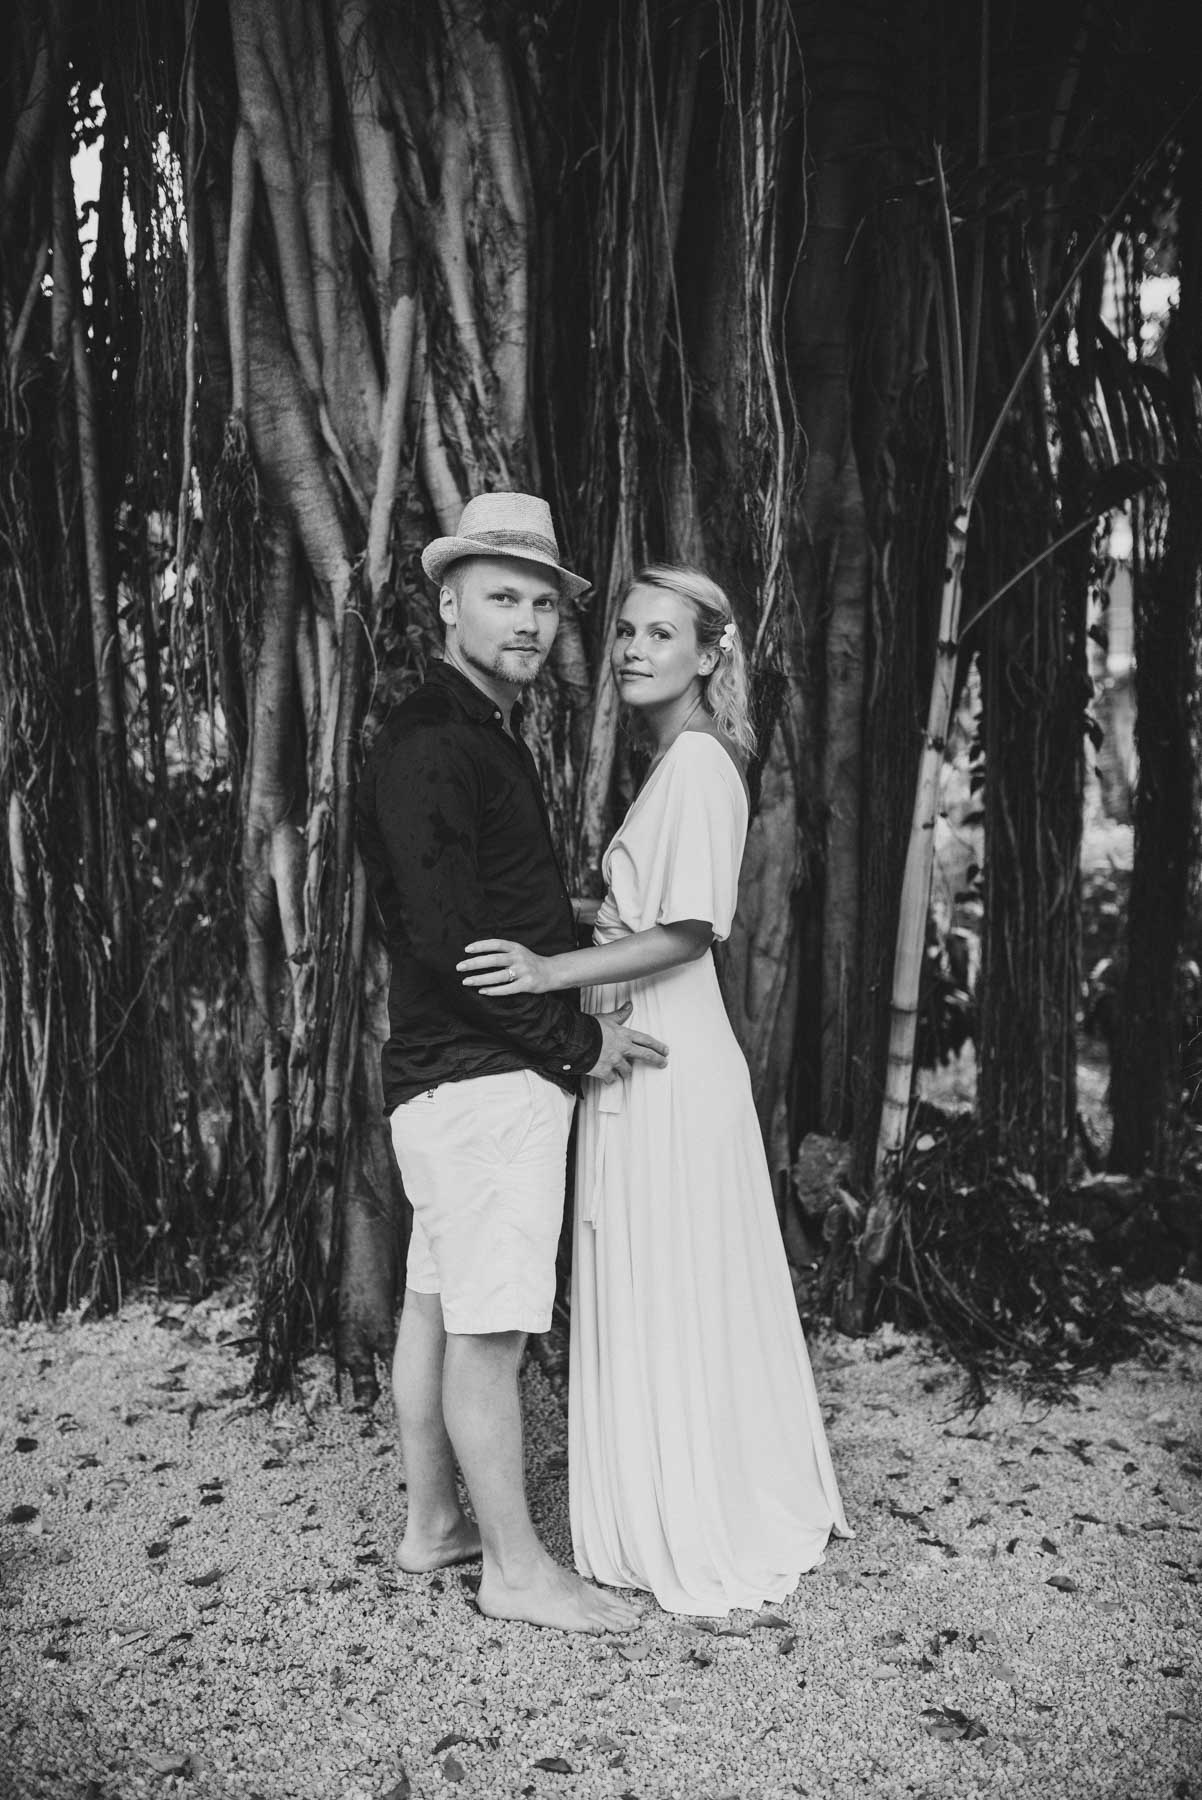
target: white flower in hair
726 642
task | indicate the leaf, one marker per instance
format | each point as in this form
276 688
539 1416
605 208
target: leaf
25 1445
169 1762
53 1654
22 1515
342 1584
634 1652
178 1522
157 1550
208 1579
402 1790
452 1738
1050 1546
787 1644
1064 1582
770 1622
948 1722
368 1558
883 1671
555 1765
212 1499
453 1769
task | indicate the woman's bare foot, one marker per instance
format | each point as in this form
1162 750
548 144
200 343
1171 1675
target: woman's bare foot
556 1598
421 1551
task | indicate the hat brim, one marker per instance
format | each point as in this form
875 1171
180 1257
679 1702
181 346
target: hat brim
439 555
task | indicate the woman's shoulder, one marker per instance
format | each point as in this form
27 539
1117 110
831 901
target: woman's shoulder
722 755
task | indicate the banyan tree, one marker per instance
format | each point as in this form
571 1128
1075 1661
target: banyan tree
757 284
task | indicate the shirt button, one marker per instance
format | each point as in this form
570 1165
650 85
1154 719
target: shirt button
567 1068
498 718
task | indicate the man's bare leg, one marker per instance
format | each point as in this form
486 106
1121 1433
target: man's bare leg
437 1530
482 1409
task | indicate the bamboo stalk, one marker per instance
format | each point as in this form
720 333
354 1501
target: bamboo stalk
916 882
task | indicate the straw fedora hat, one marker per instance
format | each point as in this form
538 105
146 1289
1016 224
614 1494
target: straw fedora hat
503 525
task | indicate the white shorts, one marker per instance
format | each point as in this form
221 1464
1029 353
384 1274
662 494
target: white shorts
483 1162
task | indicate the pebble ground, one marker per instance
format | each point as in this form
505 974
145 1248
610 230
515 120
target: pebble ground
197 1596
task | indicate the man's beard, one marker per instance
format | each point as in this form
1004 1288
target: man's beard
527 672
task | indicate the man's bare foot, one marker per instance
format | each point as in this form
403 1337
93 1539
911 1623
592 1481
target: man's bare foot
420 1552
556 1598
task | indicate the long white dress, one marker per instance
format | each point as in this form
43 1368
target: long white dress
698 1464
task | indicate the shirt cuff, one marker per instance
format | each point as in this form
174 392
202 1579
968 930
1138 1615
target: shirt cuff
582 1046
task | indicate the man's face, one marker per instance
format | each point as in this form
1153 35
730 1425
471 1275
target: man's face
501 615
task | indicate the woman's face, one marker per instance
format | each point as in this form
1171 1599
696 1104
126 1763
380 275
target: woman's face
655 655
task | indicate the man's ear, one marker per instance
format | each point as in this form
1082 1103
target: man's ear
447 605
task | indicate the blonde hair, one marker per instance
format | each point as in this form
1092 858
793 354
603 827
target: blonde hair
724 692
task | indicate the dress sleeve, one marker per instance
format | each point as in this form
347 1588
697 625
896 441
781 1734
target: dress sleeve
679 857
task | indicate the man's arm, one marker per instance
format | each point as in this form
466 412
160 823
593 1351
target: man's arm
429 801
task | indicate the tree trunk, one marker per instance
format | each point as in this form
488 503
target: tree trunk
1034 689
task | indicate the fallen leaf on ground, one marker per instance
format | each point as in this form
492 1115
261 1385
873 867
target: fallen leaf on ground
206 1580
555 1765
401 1790
1064 1582
1001 1671
452 1737
453 1770
169 1762
25 1445
634 1652
949 1723
787 1644
22 1515
770 1622
156 1550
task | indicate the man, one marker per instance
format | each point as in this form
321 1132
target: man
457 845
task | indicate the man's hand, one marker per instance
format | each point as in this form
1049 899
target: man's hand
622 1048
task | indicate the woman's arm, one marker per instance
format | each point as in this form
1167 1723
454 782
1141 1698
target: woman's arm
489 961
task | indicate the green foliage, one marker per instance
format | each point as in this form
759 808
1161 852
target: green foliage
1007 1279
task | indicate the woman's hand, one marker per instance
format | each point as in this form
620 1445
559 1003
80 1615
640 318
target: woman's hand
500 967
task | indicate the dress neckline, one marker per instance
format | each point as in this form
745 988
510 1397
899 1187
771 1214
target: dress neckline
664 761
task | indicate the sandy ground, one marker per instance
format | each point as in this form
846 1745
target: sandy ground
198 1597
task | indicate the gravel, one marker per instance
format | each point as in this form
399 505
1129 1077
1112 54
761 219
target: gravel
197 1597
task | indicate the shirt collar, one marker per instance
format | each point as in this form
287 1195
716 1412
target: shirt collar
475 703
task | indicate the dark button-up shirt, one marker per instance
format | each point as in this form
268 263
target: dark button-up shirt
455 839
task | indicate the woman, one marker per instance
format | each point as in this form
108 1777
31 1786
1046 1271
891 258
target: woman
698 1463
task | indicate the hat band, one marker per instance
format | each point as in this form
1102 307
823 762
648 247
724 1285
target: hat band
517 540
